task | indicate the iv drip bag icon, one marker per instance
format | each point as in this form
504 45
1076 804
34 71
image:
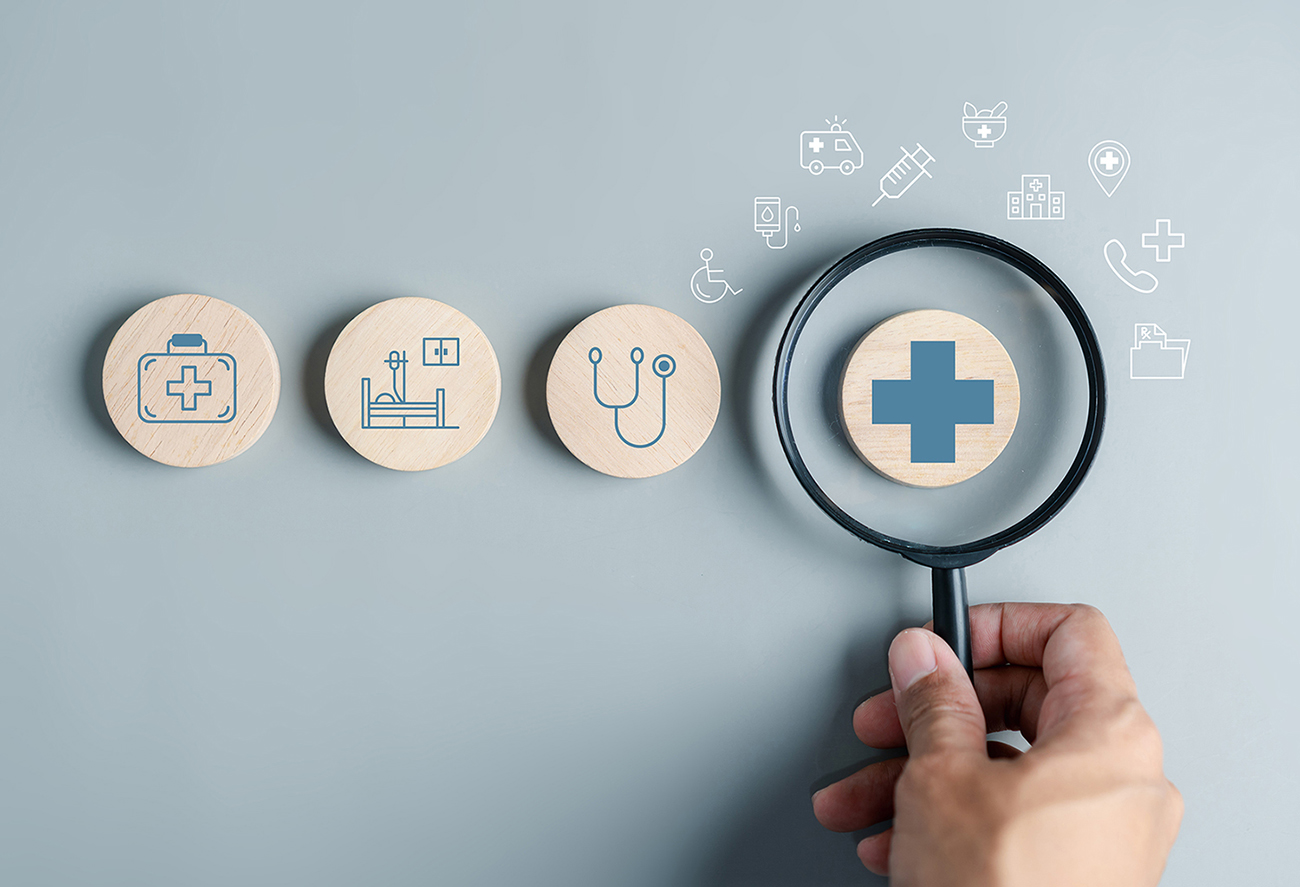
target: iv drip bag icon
769 222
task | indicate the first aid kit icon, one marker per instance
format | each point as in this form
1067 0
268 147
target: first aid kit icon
185 383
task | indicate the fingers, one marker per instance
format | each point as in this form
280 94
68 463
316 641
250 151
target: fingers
860 800
1087 680
875 722
936 702
874 852
1061 639
1011 698
1012 633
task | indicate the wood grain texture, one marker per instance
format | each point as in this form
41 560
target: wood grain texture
665 422
885 353
219 402
434 410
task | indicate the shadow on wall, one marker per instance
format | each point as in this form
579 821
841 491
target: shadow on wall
312 381
774 839
534 387
92 371
753 365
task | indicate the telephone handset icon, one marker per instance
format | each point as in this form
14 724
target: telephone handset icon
1117 259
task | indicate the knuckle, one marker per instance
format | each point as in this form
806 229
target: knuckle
932 701
1174 802
1132 727
931 776
1089 613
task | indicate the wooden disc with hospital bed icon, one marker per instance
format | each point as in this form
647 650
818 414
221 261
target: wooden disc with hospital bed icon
929 398
190 380
633 391
412 384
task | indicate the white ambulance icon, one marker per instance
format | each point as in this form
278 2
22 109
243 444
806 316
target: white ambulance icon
819 149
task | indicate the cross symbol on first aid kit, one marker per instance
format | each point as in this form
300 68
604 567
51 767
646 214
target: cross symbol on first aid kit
189 388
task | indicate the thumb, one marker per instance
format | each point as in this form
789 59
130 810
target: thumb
936 703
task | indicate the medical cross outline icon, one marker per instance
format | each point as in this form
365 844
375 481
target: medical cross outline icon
192 388
1163 240
933 401
1109 160
816 144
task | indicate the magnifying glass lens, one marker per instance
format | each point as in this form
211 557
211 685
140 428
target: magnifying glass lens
1042 345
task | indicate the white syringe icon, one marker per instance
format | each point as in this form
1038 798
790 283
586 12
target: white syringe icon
904 173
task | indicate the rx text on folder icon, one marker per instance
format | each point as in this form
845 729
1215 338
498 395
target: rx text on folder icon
1156 356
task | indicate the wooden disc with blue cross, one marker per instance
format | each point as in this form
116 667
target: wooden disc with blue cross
929 398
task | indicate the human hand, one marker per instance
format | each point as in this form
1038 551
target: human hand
1088 804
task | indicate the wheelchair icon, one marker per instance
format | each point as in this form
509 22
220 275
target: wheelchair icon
711 278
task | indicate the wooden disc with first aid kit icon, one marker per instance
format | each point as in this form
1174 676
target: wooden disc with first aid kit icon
191 380
633 391
929 398
412 384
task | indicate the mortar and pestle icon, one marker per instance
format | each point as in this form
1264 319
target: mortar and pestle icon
984 127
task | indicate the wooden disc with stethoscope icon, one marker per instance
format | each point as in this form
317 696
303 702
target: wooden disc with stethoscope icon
633 391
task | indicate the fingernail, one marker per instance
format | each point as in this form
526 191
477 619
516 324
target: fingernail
911 657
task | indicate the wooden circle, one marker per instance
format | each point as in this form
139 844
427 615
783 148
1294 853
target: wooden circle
657 384
948 403
190 380
412 384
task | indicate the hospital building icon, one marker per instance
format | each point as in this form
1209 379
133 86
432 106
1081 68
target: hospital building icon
1035 199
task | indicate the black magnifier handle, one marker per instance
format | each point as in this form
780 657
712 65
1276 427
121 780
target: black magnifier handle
952 613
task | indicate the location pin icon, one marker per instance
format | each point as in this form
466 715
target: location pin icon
1109 163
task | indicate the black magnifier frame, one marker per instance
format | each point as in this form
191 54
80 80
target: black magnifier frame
947 562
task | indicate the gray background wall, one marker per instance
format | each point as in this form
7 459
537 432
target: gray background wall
238 674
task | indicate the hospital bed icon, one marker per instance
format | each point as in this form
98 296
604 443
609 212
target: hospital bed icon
392 409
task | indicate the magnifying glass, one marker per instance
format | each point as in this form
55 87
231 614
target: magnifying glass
1062 402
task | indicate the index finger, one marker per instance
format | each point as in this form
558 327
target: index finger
1073 644
1040 635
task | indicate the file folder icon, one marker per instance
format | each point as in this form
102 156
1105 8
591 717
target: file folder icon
1156 356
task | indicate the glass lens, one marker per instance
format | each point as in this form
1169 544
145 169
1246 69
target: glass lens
1049 364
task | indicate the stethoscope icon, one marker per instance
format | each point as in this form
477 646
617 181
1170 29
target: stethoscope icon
663 367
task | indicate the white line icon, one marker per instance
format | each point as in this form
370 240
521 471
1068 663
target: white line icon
820 149
1036 199
768 220
712 276
904 174
1163 240
1109 162
1156 356
984 128
1117 259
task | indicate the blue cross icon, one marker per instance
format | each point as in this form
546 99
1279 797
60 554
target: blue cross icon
189 388
934 402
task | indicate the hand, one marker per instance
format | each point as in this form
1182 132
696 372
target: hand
1088 804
